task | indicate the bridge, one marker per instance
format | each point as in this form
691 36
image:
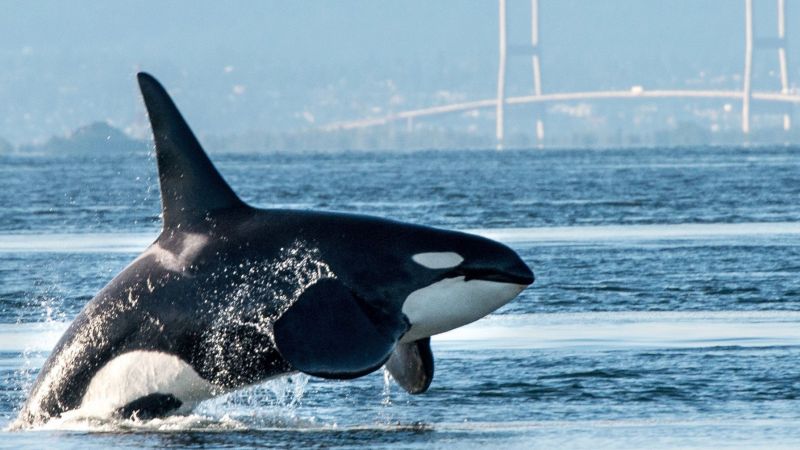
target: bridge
746 95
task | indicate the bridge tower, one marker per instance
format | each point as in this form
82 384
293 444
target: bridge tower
531 50
767 43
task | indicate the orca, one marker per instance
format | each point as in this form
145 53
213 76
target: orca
229 295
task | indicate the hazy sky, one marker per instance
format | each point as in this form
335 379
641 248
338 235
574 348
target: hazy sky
267 65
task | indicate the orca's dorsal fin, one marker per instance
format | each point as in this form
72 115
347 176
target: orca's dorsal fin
191 187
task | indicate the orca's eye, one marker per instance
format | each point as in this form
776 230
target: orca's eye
438 260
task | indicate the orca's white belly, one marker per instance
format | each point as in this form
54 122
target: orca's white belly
136 374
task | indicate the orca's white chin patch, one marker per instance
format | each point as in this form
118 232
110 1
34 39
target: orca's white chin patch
452 303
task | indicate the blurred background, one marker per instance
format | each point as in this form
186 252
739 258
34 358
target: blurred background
285 76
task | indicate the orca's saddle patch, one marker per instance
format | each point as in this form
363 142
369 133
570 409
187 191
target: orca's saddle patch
150 406
411 365
326 333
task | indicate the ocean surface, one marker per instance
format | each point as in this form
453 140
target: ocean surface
665 313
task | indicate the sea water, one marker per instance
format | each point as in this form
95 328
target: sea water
665 313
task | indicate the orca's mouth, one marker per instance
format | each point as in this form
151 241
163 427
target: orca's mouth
518 273
502 277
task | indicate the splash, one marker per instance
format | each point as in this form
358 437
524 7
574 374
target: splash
81 420
83 338
31 356
243 312
385 416
241 331
387 388
271 404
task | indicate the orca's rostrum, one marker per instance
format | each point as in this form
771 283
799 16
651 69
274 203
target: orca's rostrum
230 295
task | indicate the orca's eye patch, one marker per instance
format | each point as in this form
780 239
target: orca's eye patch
438 260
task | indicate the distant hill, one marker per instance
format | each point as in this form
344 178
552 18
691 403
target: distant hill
100 138
95 138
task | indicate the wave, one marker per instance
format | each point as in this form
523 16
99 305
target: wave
30 337
685 231
591 330
76 242
136 242
692 432
627 330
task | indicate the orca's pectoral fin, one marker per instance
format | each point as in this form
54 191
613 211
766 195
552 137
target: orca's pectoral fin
411 365
327 333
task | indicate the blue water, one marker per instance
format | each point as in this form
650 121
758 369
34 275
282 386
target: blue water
665 314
